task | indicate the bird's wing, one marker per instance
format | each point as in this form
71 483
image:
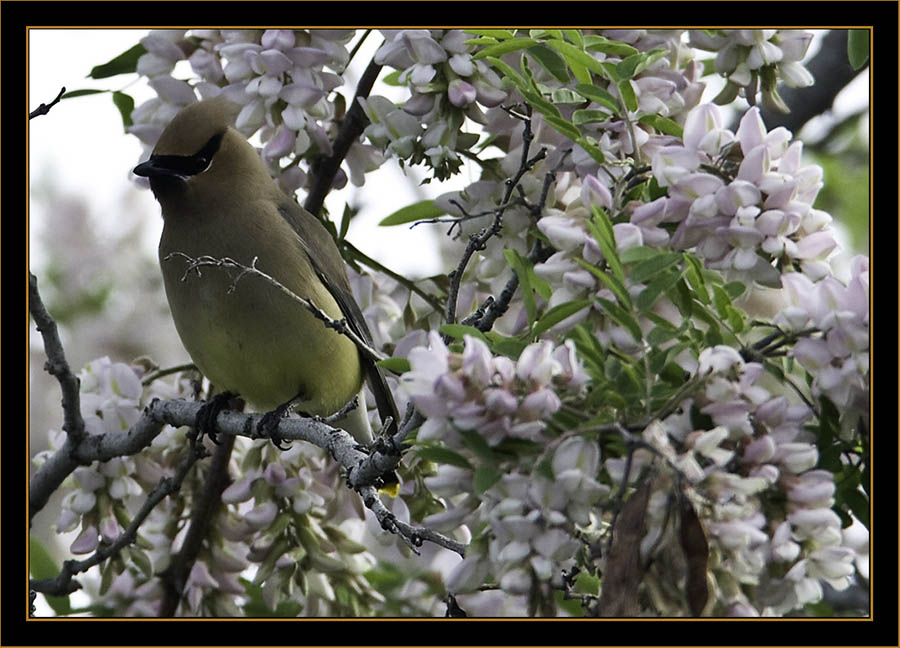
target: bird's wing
330 270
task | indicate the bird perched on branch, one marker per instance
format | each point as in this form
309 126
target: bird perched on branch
242 332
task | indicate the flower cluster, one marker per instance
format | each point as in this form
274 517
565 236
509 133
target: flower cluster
750 58
446 86
110 400
746 214
495 395
770 521
280 510
282 79
530 521
839 359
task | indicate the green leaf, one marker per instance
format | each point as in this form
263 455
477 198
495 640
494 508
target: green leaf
558 313
485 477
599 95
616 286
637 254
623 317
734 289
477 444
607 46
458 331
694 274
41 565
499 34
663 125
626 90
521 267
602 230
125 104
587 584
142 560
647 269
859 506
589 144
660 334
551 61
505 47
858 49
508 72
393 79
385 577
422 210
659 286
709 67
82 93
505 346
721 301
124 63
442 455
580 117
563 126
394 365
574 35
736 319
566 96
626 67
579 56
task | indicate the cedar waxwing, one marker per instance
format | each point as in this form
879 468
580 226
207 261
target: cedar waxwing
218 200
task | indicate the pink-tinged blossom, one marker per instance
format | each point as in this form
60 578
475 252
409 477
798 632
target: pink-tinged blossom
86 542
461 93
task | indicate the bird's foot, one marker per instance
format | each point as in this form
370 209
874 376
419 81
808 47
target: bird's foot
268 426
205 421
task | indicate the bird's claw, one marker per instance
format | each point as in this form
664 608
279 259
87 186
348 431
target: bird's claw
268 426
205 421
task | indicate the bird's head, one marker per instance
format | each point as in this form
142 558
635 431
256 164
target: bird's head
200 150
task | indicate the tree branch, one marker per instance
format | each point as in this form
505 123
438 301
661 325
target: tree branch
174 578
91 448
56 364
43 109
413 536
354 123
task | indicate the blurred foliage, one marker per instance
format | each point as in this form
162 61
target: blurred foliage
844 156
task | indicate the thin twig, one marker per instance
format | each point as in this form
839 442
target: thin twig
538 253
412 536
43 109
478 242
339 326
168 371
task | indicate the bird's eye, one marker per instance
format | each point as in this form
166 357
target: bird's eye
186 166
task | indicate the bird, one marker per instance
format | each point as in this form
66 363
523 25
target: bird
244 334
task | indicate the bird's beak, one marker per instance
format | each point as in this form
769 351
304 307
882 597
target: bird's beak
154 168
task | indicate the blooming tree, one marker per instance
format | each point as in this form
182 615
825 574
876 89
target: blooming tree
602 418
